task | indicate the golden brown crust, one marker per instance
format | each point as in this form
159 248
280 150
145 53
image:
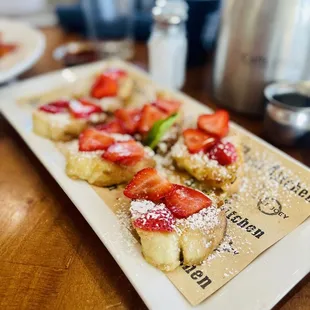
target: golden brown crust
100 172
48 126
226 178
164 250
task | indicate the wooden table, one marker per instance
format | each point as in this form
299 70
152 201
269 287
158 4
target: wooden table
49 256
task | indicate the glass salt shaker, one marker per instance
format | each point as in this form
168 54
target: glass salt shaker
167 45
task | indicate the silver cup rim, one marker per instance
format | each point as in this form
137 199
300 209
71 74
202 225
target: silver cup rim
273 89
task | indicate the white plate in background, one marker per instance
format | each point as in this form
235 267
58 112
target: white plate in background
30 46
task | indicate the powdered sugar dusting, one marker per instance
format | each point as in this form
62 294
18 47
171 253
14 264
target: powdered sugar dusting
59 119
205 220
97 117
141 207
226 246
151 216
120 137
73 149
198 160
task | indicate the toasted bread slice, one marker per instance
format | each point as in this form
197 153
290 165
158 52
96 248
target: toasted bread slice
208 171
58 127
192 241
89 166
198 244
61 126
160 249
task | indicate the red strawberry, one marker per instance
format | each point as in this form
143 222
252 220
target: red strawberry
83 108
224 153
6 48
104 86
183 201
197 140
115 73
148 184
167 106
149 115
159 219
59 106
124 152
111 127
129 119
215 124
94 140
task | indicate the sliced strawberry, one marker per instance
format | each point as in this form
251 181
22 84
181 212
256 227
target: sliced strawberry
149 115
183 201
215 124
94 140
115 73
129 119
224 153
83 108
157 219
59 106
124 152
197 140
104 86
148 184
111 127
6 48
167 106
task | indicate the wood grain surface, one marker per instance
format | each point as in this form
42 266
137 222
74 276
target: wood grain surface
49 256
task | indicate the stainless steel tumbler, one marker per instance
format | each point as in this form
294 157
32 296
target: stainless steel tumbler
260 41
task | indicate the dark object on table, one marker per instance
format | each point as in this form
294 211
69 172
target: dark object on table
71 18
287 116
76 53
202 25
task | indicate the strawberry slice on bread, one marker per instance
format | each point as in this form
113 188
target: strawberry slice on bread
196 140
59 106
149 115
216 124
224 153
124 152
183 201
104 86
112 127
158 219
111 83
148 184
167 106
83 108
128 119
92 139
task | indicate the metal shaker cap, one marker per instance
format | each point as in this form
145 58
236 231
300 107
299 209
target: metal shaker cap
170 12
286 124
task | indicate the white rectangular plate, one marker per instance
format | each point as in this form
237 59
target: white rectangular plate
260 286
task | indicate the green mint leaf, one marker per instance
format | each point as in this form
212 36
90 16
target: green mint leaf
159 129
